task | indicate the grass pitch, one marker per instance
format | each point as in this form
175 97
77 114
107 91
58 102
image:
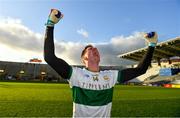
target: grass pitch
55 100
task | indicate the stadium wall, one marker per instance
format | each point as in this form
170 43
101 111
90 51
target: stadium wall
35 71
27 71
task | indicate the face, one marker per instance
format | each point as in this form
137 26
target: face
91 56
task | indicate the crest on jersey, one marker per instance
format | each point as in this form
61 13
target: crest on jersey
106 78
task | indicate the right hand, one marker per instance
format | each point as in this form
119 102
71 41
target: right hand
54 17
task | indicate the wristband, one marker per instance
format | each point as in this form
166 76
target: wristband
152 44
50 23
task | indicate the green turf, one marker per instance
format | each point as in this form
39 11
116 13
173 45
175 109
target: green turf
54 100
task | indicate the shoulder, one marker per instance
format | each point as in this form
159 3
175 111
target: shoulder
78 70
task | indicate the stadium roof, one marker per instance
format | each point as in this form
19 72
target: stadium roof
167 49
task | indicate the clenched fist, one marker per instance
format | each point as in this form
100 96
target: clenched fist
54 17
151 38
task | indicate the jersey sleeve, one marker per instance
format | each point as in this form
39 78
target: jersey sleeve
73 76
120 77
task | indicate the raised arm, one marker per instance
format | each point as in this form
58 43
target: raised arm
131 73
59 65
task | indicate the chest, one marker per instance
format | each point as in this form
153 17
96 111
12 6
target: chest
95 81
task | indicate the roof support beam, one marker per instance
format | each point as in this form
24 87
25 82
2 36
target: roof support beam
166 52
132 57
173 47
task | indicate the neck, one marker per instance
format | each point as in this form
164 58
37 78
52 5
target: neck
93 67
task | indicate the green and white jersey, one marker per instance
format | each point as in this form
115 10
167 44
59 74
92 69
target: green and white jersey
92 92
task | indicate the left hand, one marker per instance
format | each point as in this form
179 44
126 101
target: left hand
153 39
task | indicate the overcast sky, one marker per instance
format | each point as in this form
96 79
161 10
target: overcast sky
114 26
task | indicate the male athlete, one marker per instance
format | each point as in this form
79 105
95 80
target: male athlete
92 88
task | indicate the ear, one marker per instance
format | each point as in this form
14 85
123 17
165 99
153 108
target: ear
83 59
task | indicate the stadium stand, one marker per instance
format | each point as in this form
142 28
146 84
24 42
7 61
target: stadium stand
166 63
34 71
27 71
165 49
151 72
